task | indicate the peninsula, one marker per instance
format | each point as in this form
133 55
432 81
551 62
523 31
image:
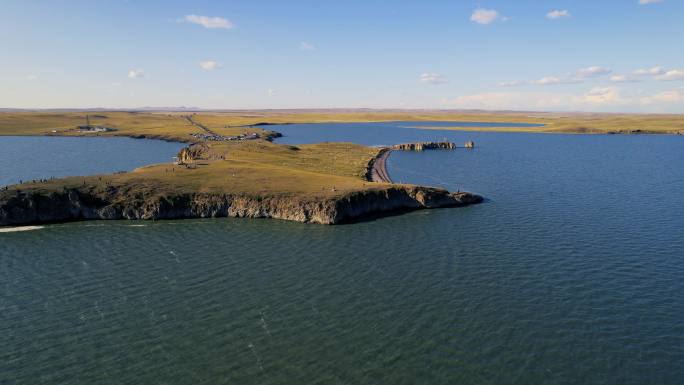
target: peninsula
224 171
232 168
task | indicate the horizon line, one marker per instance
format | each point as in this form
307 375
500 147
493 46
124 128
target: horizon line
313 109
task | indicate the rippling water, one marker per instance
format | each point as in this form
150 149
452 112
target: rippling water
571 273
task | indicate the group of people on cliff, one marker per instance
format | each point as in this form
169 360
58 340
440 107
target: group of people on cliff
41 180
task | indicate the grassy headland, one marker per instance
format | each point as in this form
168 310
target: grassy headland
249 168
318 183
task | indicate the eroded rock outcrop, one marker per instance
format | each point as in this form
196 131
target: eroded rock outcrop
23 208
191 153
424 146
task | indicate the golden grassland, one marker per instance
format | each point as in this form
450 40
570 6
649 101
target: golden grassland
174 125
169 126
250 168
553 122
584 124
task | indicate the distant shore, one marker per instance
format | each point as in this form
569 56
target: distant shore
179 125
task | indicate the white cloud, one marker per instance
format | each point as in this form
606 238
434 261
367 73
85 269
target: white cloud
623 79
135 73
671 75
602 95
592 71
553 80
487 100
514 83
577 77
305 46
31 77
673 96
558 14
650 71
644 2
597 98
432 78
513 101
485 16
210 65
547 80
209 22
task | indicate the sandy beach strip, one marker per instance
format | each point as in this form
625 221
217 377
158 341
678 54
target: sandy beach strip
379 170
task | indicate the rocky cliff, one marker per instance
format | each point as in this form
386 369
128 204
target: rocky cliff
22 208
424 146
191 153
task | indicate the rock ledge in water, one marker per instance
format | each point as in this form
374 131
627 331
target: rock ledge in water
24 208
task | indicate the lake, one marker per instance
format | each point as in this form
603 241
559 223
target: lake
571 272
42 157
379 133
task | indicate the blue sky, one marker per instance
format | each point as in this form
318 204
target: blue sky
608 55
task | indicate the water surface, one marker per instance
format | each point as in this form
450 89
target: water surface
43 157
572 272
378 134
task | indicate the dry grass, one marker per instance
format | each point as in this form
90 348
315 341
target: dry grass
343 159
585 124
174 126
254 168
169 126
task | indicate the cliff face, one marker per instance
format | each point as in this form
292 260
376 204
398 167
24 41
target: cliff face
191 153
68 205
424 146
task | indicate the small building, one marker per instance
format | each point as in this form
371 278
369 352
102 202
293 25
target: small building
90 128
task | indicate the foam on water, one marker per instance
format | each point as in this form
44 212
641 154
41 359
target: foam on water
20 228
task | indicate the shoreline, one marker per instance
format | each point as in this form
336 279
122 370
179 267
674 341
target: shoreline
251 178
378 167
228 180
77 204
531 130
